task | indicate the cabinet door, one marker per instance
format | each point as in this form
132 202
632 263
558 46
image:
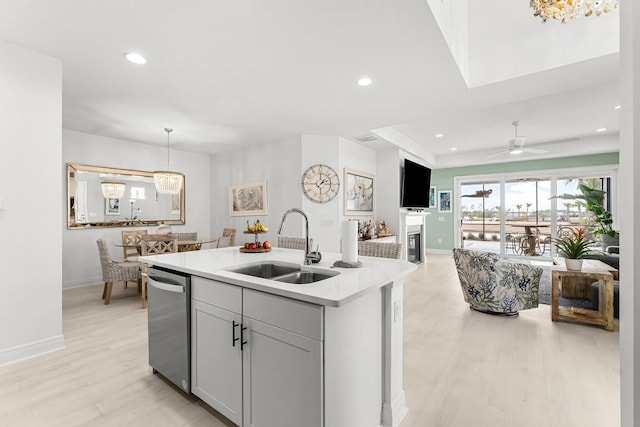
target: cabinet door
282 378
216 363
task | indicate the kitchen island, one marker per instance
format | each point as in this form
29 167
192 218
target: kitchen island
271 353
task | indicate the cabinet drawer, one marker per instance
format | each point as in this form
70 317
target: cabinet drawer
216 293
295 316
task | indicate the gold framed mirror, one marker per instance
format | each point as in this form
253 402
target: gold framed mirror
139 205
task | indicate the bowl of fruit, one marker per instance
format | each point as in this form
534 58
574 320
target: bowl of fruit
256 247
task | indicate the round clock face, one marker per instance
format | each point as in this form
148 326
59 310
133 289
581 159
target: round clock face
320 183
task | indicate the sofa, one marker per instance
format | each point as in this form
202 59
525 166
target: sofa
610 256
494 285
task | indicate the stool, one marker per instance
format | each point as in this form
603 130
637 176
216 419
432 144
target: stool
616 299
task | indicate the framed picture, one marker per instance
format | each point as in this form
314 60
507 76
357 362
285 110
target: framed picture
248 199
112 206
358 193
432 196
444 201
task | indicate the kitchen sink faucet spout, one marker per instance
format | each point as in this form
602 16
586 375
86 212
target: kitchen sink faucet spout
308 258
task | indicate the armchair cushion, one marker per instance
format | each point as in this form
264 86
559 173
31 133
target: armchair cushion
495 285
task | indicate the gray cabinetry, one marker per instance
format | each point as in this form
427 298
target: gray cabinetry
257 358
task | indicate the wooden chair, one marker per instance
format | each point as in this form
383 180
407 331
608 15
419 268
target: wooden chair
132 238
293 242
115 271
155 244
379 249
229 232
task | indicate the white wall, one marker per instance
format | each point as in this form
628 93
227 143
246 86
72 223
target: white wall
31 164
324 218
338 153
81 264
279 164
630 229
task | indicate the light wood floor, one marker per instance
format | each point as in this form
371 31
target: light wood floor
462 368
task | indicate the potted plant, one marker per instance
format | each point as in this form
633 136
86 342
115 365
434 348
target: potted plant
574 248
594 203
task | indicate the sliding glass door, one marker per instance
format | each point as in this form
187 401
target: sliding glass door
519 216
528 217
480 216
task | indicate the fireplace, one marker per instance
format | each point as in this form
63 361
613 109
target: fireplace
414 243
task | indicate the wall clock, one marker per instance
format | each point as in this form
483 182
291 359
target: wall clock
320 183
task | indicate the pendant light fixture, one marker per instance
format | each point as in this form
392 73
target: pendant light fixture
168 182
112 190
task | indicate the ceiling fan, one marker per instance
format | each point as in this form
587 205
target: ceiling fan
516 145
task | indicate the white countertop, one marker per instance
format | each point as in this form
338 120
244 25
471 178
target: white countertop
335 291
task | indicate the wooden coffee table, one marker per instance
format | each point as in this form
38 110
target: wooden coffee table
591 269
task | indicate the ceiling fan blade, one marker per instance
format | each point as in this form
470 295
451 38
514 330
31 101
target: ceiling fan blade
534 150
497 154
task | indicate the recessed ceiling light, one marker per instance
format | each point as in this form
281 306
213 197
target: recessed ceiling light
136 58
454 148
617 107
601 129
439 135
364 81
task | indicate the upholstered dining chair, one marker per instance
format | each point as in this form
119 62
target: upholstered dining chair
115 271
231 233
155 244
379 249
224 242
293 242
130 243
494 285
188 237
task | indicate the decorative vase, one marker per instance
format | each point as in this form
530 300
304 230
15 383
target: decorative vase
573 264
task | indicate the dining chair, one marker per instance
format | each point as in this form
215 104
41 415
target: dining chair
131 242
293 242
115 271
229 232
224 241
188 237
379 249
155 244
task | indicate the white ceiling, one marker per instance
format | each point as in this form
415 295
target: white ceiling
226 73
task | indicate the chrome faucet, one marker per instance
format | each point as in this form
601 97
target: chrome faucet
308 257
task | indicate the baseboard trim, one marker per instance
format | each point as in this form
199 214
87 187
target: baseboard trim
439 251
392 415
81 282
33 349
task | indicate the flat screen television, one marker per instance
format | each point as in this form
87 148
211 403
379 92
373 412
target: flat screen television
416 181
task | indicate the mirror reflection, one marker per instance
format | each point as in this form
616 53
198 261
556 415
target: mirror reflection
139 205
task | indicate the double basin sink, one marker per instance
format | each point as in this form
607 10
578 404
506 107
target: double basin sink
284 273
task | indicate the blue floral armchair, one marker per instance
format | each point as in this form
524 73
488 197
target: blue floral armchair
494 285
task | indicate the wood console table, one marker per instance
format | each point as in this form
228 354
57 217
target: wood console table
591 269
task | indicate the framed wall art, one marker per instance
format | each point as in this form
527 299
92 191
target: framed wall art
112 206
444 201
432 196
248 199
359 195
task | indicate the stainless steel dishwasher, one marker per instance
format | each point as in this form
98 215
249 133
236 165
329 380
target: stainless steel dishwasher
169 297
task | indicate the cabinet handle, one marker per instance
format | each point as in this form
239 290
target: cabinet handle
233 329
242 341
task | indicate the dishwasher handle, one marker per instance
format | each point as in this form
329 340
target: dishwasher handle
165 286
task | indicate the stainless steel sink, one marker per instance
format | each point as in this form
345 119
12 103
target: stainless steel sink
266 270
302 277
284 273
